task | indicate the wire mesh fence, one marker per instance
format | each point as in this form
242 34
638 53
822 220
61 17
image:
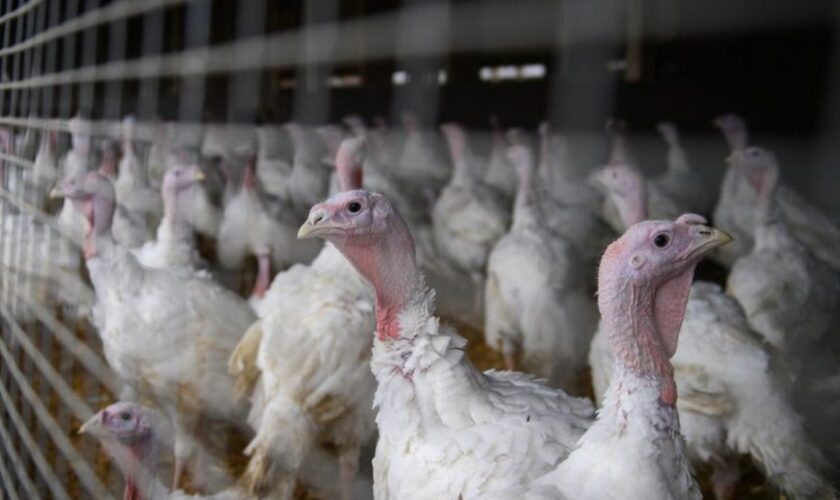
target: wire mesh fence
187 70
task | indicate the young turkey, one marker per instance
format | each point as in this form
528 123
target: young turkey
131 434
500 173
167 335
469 217
790 296
734 397
562 181
634 449
446 430
306 364
537 299
174 247
621 176
680 181
734 209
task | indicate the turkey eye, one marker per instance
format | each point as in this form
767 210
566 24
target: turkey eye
354 207
661 240
125 416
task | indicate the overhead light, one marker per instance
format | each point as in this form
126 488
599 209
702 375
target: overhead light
339 81
532 71
399 78
507 72
443 77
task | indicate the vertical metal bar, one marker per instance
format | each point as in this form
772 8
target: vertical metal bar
245 88
430 36
197 31
68 46
89 54
149 92
312 95
116 52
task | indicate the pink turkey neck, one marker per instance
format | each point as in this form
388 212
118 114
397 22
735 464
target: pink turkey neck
633 209
350 173
643 322
99 212
138 462
387 261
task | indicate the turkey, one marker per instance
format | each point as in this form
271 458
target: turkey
248 228
131 434
309 180
790 296
130 227
174 247
446 430
273 166
306 364
561 180
132 185
159 153
621 178
76 163
570 205
45 169
634 449
680 181
422 163
736 211
381 177
500 174
537 301
733 396
469 217
625 184
168 336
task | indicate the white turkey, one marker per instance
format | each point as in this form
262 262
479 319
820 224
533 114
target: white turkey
538 303
680 181
130 228
306 364
167 335
790 296
500 174
174 247
570 205
635 449
381 177
621 178
561 179
248 228
446 430
75 164
736 211
45 169
733 395
469 217
422 163
133 436
626 185
132 185
309 180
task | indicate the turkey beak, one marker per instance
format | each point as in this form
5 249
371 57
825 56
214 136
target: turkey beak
199 176
93 426
317 225
706 238
57 192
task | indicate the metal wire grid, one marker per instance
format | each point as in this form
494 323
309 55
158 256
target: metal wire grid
52 374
